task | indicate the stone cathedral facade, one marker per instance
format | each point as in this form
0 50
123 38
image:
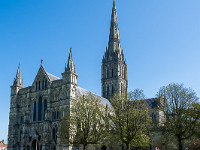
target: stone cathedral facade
35 110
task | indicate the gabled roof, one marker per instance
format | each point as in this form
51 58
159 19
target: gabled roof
49 76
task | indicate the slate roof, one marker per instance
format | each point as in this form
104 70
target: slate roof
152 102
81 91
52 77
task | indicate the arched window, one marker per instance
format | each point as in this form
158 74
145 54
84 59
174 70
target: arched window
36 86
20 136
112 72
107 73
121 88
112 90
45 84
45 108
104 91
40 109
104 73
39 85
34 111
58 115
108 92
54 136
124 73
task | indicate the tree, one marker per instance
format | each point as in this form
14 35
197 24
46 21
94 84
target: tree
130 118
177 104
85 123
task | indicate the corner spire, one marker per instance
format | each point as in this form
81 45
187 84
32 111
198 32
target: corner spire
70 65
114 38
18 80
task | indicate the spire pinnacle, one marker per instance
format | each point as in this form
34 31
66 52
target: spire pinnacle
70 65
18 80
113 3
114 38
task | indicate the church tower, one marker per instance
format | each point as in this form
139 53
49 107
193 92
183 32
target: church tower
114 67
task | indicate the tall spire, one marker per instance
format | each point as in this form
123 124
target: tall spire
18 80
114 38
114 67
70 65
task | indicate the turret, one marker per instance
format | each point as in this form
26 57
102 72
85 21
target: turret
18 83
70 77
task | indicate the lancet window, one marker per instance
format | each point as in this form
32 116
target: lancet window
34 111
40 109
45 108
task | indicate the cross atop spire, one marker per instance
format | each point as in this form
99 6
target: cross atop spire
41 61
18 80
70 65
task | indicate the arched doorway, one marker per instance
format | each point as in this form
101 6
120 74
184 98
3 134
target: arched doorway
34 145
103 147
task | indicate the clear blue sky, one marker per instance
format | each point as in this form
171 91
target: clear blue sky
161 42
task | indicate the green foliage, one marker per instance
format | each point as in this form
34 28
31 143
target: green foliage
85 124
177 103
64 130
136 94
130 119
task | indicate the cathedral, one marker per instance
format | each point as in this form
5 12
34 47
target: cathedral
35 110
